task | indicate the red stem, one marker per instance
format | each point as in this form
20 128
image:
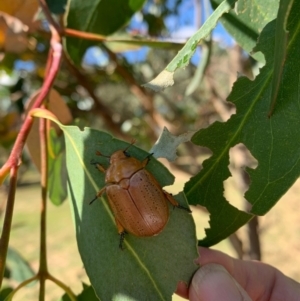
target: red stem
16 152
83 35
15 156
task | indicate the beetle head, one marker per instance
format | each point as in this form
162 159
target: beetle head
121 154
118 155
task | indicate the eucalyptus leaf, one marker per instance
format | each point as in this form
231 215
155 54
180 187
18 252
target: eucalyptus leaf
281 39
19 269
96 16
247 20
167 143
274 142
4 293
57 6
166 78
201 68
87 294
150 267
57 169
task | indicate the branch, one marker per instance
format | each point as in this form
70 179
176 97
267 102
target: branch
15 156
8 220
101 109
43 269
155 120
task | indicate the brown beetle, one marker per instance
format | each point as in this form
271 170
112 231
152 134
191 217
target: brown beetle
136 198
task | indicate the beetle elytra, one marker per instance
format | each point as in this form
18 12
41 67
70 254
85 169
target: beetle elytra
139 204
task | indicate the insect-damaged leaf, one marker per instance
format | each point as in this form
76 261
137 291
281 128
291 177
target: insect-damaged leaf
149 268
87 294
182 59
274 142
281 39
167 143
247 20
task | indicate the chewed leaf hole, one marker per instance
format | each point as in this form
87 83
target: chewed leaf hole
236 185
188 165
201 219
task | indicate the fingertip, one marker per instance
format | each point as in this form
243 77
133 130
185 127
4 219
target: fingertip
212 282
182 290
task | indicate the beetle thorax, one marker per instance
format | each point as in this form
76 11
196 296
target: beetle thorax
117 156
121 167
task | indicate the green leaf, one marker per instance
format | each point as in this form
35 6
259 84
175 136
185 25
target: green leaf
167 143
57 169
18 267
149 267
7 66
247 21
201 68
87 294
274 142
182 59
97 16
281 38
5 291
57 6
119 44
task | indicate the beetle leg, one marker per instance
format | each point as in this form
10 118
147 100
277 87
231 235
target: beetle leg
100 192
122 237
146 160
98 165
121 232
174 202
170 198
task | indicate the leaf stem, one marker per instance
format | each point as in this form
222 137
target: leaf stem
13 161
5 235
63 287
10 296
15 155
84 35
43 269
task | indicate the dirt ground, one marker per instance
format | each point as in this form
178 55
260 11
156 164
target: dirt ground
279 232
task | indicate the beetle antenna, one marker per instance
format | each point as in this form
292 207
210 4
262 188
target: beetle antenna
131 143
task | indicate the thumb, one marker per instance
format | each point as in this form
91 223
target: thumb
212 282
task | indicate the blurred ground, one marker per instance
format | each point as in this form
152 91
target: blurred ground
279 230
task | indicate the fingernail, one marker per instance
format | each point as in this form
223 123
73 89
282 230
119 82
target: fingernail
212 282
